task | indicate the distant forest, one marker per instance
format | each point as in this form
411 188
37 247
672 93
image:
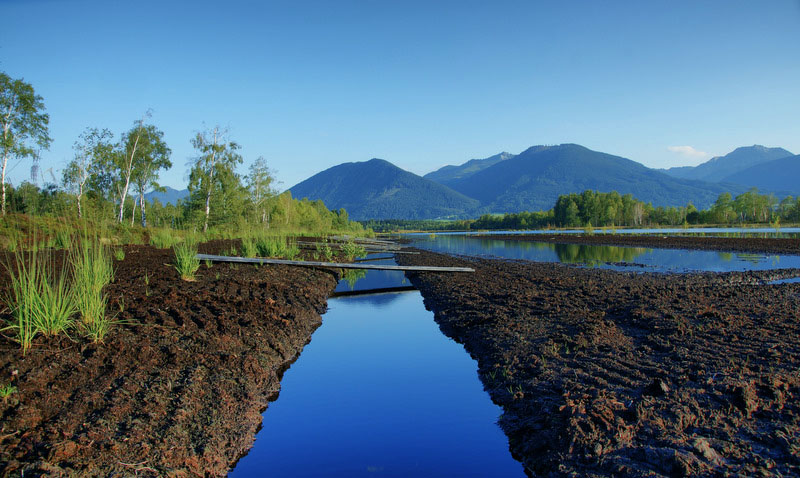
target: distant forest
592 208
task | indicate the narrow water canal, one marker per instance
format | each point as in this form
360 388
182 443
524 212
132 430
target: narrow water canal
380 392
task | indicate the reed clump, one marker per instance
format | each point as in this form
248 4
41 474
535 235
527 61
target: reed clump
41 299
186 261
92 270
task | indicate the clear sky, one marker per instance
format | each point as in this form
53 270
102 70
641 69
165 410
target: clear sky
311 84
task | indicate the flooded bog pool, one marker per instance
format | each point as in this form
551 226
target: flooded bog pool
380 392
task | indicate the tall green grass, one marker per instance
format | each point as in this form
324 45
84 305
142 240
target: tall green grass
92 270
163 238
186 261
41 300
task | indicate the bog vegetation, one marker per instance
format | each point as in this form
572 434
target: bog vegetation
57 241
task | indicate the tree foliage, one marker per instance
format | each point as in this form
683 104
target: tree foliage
24 124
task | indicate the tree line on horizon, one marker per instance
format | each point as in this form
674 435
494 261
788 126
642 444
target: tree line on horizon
109 179
592 208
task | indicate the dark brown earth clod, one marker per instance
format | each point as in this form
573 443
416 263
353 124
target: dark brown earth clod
179 385
605 373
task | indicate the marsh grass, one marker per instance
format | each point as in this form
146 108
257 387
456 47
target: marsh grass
163 238
249 248
92 270
186 261
40 299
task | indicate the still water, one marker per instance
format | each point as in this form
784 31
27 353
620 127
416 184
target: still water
380 392
638 259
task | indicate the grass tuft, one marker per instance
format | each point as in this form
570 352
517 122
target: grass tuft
186 261
92 271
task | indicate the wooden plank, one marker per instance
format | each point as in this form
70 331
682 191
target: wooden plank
337 265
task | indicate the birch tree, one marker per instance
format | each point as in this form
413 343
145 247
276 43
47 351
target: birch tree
152 156
24 124
216 161
93 147
130 146
260 185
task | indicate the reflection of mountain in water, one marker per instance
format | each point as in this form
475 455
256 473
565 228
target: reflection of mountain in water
583 254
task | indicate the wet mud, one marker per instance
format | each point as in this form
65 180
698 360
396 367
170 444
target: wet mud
179 384
606 373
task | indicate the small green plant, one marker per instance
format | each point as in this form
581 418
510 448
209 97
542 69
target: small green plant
6 390
208 263
186 261
324 250
588 230
146 278
249 248
351 250
119 254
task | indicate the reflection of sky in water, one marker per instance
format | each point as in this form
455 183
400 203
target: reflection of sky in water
609 257
675 231
359 279
380 391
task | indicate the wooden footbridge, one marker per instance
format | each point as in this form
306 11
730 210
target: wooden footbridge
371 246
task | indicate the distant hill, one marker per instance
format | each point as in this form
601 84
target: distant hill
535 178
377 189
779 176
448 174
170 196
718 168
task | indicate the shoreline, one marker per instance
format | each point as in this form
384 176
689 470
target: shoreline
178 387
770 245
605 373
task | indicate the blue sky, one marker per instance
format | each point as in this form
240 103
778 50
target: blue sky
309 85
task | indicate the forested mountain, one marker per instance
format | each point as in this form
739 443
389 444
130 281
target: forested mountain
718 168
535 178
379 189
780 175
170 196
448 174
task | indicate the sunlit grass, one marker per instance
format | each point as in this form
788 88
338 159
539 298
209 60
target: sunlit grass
92 270
41 301
186 261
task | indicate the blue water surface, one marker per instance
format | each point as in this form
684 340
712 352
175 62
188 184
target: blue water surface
380 392
639 259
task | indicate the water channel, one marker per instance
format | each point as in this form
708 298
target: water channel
380 391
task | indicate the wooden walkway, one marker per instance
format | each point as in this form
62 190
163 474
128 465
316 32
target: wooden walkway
337 265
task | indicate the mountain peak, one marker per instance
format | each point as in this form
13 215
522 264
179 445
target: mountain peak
720 167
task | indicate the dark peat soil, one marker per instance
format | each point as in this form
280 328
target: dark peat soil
179 384
604 373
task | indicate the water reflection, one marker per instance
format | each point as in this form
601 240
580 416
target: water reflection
596 255
609 257
380 391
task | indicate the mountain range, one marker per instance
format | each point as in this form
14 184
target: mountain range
719 168
534 178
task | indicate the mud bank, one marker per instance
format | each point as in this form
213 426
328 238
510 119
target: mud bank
603 373
179 385
726 244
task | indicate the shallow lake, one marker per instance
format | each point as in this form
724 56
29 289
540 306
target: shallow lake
380 392
638 259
